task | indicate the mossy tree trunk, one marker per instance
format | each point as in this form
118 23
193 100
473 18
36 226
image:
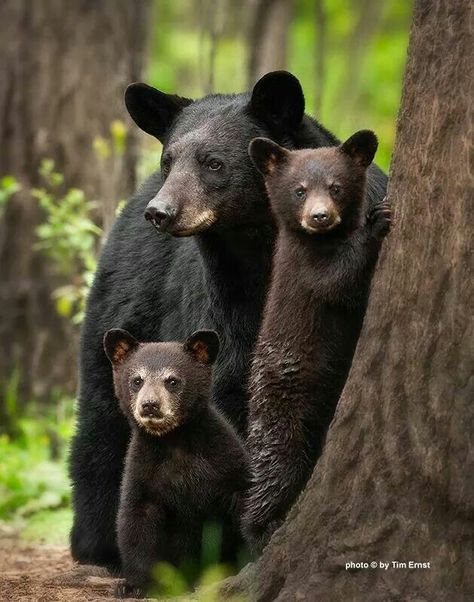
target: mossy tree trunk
63 69
396 479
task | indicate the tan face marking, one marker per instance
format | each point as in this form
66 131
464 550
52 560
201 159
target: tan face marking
154 390
195 221
316 205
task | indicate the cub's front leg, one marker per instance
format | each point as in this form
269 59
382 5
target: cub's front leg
280 467
379 220
139 525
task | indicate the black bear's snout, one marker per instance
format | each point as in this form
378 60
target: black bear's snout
160 213
150 409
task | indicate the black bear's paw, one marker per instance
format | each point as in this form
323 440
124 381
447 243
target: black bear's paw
123 589
380 219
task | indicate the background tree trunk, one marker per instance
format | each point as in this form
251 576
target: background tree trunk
320 54
62 76
395 482
268 36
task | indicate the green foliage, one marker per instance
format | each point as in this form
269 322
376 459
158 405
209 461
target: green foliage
114 145
362 77
69 237
8 186
32 471
50 526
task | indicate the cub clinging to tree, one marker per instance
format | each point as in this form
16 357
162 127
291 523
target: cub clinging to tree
324 259
185 466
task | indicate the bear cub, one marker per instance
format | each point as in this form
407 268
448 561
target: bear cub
325 255
185 466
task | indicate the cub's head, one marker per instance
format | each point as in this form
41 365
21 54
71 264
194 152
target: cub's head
317 190
159 385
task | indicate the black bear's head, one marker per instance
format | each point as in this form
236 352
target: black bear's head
160 385
318 190
208 180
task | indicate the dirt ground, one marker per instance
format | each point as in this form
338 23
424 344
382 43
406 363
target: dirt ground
45 573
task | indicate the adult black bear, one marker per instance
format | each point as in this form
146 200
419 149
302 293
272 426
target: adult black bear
186 468
163 286
325 255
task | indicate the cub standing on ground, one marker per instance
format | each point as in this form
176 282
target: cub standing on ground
325 256
185 465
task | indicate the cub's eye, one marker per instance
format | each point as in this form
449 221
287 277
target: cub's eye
334 189
172 383
137 382
300 192
214 164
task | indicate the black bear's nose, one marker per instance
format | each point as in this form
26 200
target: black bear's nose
150 409
159 213
320 217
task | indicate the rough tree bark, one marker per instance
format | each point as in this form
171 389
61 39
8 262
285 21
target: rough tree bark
62 74
396 479
268 36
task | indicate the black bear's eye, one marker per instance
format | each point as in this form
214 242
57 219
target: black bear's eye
214 164
137 382
334 189
171 383
300 192
166 165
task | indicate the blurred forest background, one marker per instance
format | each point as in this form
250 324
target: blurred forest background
70 157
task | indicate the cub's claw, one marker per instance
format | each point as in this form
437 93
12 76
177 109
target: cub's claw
380 220
123 589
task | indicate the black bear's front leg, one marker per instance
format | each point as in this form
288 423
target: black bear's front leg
96 465
139 525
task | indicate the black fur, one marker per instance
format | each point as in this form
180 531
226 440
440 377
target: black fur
185 467
313 315
161 287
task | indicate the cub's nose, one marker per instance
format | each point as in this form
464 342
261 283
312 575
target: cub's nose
150 409
160 213
321 217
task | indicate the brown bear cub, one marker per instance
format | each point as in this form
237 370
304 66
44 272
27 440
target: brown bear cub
325 255
185 467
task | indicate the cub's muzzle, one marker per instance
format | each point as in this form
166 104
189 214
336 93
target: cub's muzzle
320 216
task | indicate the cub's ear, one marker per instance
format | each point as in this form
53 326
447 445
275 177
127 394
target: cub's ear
267 155
203 345
361 147
153 111
118 344
278 100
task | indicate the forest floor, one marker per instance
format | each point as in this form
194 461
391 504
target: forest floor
37 567
31 572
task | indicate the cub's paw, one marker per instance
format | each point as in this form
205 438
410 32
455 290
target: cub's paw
257 535
123 589
379 219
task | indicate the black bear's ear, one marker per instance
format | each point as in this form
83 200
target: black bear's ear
266 155
361 147
118 344
278 100
152 110
203 345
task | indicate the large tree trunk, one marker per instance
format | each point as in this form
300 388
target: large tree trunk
396 479
268 36
63 69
